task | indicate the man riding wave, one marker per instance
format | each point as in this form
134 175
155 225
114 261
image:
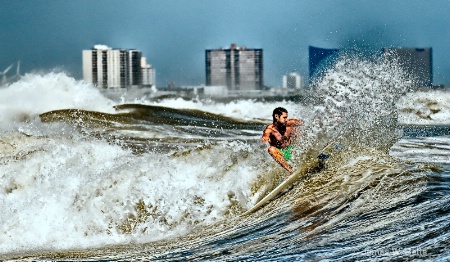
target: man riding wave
279 136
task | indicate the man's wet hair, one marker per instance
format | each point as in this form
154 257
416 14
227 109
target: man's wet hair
278 111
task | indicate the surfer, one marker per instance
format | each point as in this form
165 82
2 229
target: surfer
279 136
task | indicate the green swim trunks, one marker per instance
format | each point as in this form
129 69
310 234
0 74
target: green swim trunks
286 152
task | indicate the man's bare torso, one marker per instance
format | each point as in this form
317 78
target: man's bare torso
280 137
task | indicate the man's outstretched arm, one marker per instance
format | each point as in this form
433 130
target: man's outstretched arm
295 122
266 135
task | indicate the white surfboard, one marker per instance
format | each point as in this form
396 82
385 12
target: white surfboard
325 153
274 192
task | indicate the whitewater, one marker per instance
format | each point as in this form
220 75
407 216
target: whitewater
86 177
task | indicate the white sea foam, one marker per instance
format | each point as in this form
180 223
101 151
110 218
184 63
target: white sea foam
71 193
423 149
62 190
425 108
239 109
36 94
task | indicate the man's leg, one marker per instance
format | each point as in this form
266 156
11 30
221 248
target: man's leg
278 156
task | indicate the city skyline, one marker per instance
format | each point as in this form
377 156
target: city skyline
175 34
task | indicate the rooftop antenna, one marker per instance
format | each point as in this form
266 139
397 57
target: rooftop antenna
4 73
17 76
18 68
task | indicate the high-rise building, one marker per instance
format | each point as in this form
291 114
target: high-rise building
292 81
134 63
239 68
148 74
113 68
417 62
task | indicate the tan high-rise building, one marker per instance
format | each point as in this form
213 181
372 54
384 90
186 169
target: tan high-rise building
238 68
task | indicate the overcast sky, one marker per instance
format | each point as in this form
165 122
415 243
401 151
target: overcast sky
173 34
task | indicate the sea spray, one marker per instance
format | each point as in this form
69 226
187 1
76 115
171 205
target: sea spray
33 94
358 117
358 111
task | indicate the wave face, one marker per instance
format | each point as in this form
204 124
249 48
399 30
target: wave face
168 178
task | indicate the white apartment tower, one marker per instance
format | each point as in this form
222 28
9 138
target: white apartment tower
113 68
292 81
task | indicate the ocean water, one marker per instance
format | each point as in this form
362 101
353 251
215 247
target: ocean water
85 177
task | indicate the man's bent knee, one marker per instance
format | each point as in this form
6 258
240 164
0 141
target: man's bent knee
272 150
